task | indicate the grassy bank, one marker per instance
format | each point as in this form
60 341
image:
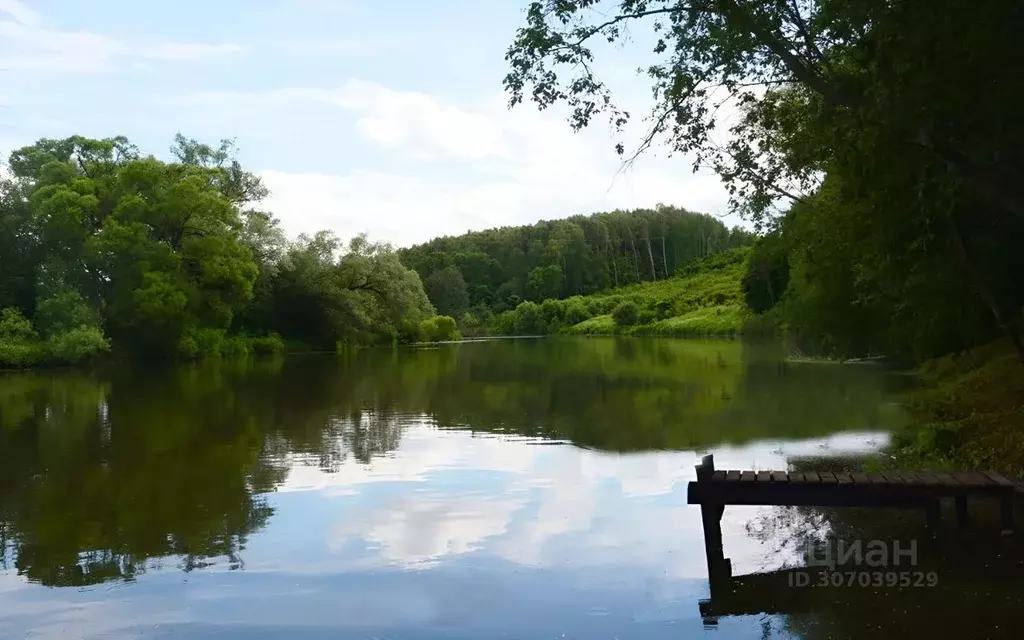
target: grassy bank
968 412
704 299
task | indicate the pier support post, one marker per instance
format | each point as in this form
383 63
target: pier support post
711 519
1006 515
934 515
963 518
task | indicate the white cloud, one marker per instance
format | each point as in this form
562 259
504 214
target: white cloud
418 530
407 209
28 47
363 45
480 166
34 49
19 11
185 51
419 122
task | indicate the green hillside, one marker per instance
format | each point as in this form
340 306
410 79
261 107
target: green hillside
477 275
704 299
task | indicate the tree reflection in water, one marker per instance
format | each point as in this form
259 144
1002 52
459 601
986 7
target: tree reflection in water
105 475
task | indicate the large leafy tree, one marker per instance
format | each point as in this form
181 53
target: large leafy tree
324 293
906 104
155 247
446 289
19 249
865 64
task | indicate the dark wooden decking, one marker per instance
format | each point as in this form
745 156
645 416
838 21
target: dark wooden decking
715 489
845 488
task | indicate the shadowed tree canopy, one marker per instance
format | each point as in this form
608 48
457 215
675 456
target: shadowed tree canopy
446 289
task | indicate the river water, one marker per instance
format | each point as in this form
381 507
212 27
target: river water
528 488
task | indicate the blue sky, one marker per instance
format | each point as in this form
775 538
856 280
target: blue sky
362 116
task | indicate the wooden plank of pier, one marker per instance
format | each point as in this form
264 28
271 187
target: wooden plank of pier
714 490
824 488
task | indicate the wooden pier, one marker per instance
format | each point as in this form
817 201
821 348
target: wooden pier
714 489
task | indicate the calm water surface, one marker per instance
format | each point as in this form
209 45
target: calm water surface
506 489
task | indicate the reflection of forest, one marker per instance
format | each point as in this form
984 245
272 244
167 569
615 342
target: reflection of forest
646 394
101 473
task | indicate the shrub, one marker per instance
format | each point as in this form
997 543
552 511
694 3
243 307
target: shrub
16 355
552 310
576 312
64 312
78 345
626 314
662 309
529 319
15 327
19 344
646 317
271 343
209 342
187 347
236 346
469 323
439 328
504 324
409 331
608 304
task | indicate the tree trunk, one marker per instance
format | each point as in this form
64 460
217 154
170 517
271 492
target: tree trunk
981 287
650 256
664 259
565 276
615 268
636 256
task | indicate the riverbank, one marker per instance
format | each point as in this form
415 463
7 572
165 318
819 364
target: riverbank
967 412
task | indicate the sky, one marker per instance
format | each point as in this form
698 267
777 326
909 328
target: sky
361 116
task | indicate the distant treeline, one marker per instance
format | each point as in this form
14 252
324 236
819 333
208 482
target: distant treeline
488 272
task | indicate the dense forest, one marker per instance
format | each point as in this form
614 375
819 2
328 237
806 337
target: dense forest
878 142
475 276
102 248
